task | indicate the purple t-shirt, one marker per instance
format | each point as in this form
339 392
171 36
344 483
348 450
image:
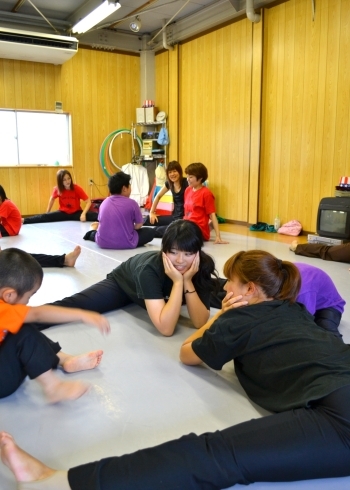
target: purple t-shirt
117 216
318 290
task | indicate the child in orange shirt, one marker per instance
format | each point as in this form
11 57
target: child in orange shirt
24 350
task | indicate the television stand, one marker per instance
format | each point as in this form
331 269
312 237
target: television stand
324 240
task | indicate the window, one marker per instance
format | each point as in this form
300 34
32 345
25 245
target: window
35 138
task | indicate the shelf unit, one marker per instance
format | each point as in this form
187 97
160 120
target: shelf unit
152 157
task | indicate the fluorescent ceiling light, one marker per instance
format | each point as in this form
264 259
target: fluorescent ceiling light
101 12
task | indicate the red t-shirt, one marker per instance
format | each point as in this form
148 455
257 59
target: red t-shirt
10 217
69 201
199 205
12 318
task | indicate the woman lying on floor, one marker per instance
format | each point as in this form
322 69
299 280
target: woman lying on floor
161 282
285 363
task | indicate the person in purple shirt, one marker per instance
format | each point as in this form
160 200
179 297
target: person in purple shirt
317 293
320 297
120 220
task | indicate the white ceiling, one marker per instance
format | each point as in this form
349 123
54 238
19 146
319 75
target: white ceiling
188 18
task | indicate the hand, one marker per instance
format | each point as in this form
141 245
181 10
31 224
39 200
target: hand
170 270
99 321
193 269
230 302
82 217
219 241
153 218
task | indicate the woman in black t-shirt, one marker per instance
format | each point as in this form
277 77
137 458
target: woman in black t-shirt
177 184
161 282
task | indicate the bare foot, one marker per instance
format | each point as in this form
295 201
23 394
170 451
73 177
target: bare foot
24 466
65 390
94 225
72 364
293 245
70 259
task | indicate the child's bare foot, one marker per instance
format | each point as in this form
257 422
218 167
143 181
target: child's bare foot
65 390
94 225
293 245
24 466
72 364
70 259
57 390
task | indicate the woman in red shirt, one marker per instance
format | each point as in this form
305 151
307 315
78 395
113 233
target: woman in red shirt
10 216
69 196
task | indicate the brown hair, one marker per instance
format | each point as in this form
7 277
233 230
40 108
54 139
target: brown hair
277 278
199 170
60 176
174 165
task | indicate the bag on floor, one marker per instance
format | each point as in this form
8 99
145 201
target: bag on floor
292 228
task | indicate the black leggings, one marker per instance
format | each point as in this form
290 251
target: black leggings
102 297
300 444
146 235
26 353
3 231
56 216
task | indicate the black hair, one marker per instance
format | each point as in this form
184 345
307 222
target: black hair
19 270
186 236
117 181
174 165
60 176
3 193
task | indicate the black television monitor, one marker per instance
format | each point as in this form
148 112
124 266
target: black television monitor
333 218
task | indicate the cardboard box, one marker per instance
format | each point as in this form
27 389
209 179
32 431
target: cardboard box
150 114
140 115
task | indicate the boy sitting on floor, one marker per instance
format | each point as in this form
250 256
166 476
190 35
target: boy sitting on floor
120 220
24 350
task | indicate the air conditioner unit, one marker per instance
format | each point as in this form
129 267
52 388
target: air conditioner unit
35 46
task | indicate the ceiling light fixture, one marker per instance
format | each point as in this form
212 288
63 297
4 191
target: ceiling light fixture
135 25
101 12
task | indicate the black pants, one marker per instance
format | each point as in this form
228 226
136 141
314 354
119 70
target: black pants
3 231
102 297
26 353
146 235
49 260
300 444
164 220
56 216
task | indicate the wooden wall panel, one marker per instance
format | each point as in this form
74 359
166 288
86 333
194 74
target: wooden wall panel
99 89
215 112
305 136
